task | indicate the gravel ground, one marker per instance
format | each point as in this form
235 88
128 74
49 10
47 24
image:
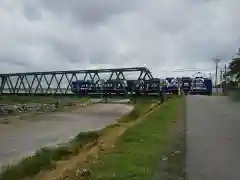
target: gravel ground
213 138
22 138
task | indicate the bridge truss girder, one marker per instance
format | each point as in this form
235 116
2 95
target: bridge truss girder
59 82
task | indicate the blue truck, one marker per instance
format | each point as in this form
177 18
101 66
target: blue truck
201 85
196 85
186 84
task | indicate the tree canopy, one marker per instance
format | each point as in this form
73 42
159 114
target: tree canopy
234 69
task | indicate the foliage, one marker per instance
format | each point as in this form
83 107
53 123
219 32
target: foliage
234 70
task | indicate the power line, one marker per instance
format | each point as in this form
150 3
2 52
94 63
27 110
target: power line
190 70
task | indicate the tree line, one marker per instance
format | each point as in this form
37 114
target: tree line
232 77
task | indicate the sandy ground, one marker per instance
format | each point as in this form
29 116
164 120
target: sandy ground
22 138
213 138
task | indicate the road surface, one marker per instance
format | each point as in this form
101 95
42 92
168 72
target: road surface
22 138
213 138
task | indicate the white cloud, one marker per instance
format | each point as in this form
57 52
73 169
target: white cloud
77 34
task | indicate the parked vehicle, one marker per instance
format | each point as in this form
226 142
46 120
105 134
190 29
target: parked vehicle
202 86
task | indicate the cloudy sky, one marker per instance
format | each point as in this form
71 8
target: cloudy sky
162 35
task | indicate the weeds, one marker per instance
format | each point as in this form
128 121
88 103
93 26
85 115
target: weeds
45 158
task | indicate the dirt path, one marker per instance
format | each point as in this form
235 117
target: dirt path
213 133
23 138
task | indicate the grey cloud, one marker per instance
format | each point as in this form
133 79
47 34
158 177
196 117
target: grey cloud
31 12
88 12
71 52
163 35
13 60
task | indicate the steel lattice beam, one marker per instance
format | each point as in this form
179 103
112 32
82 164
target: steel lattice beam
59 82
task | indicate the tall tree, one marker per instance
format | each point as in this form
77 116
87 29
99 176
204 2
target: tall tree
234 69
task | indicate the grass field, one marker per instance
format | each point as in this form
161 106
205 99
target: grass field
139 149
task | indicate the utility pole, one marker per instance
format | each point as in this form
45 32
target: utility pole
221 77
216 61
210 75
225 73
225 79
221 74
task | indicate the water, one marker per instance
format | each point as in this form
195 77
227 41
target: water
22 138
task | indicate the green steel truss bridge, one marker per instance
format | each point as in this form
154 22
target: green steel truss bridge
60 82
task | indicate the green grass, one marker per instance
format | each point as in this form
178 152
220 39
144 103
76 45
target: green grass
46 158
137 152
175 164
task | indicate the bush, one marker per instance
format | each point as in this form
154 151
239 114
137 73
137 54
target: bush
235 94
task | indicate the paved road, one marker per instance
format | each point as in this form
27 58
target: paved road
213 138
23 138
